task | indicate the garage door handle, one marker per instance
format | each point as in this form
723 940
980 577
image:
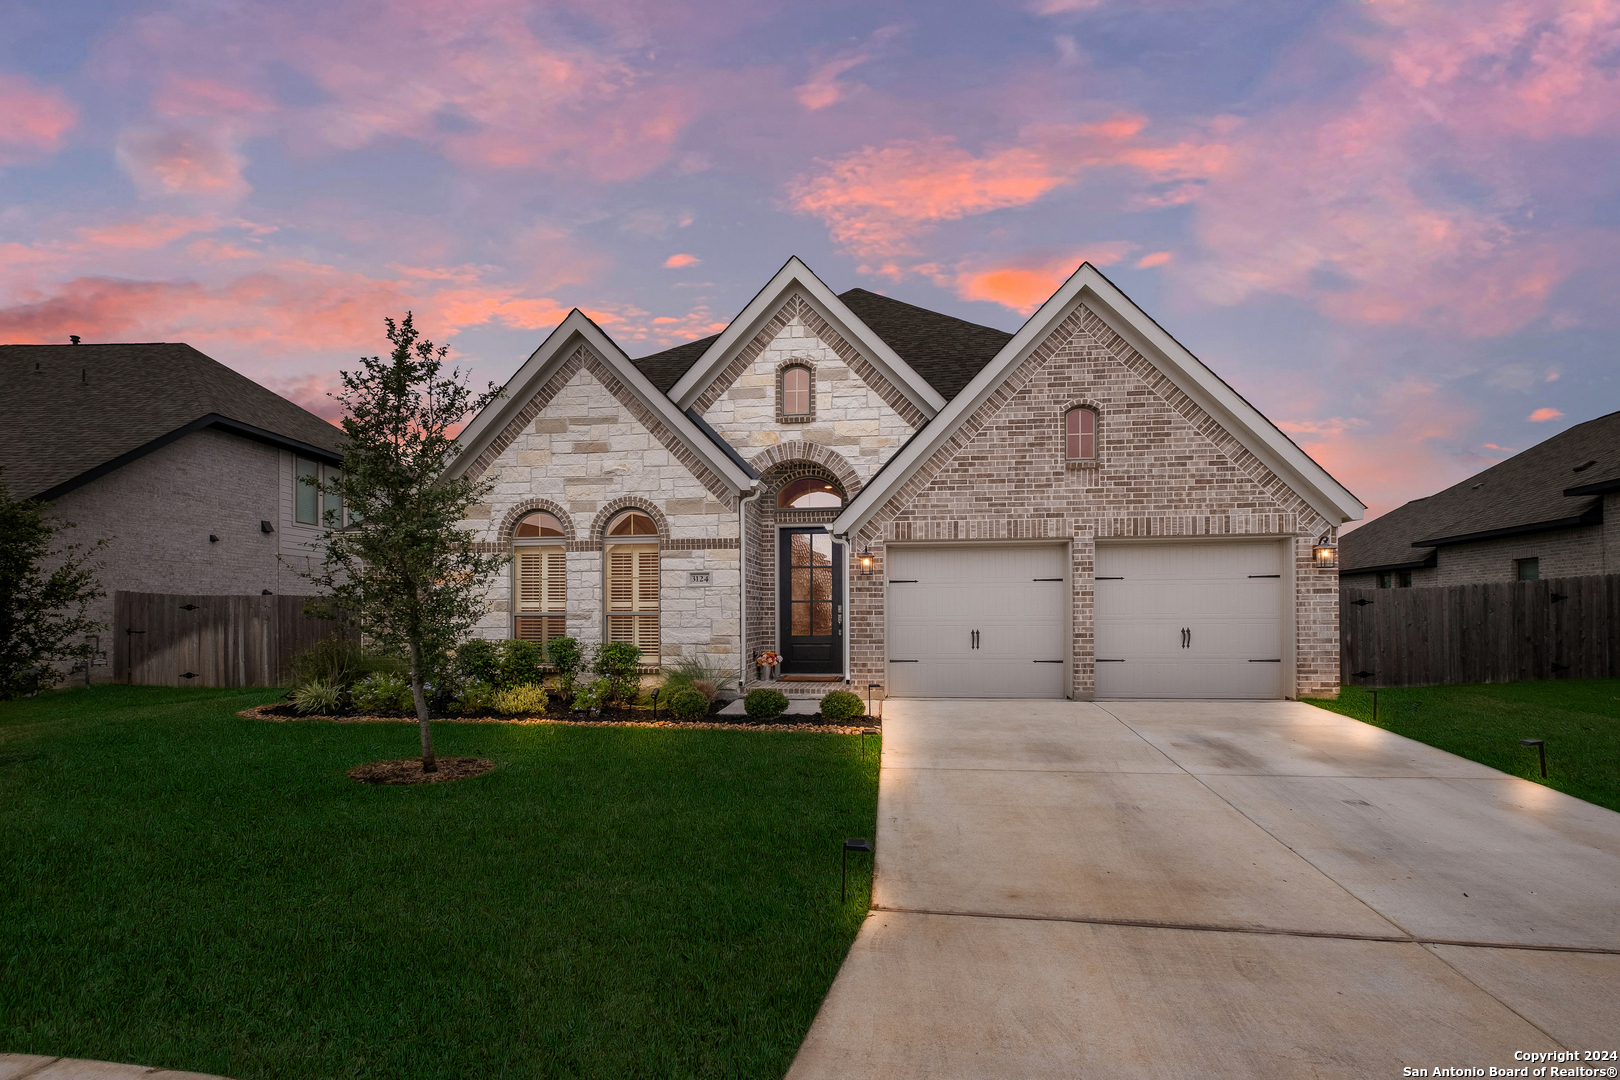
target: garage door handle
1265 661
902 661
1186 638
1046 661
1046 579
1100 660
902 581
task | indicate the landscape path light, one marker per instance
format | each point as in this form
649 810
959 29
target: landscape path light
852 844
1541 750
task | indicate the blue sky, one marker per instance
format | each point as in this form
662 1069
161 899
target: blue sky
1391 225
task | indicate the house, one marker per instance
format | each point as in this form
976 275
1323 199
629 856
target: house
1551 511
189 467
887 495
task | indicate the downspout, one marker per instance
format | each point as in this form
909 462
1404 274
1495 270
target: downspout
742 591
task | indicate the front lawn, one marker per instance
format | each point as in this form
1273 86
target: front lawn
185 888
1579 718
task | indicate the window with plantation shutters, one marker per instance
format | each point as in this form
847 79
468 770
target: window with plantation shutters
541 595
632 597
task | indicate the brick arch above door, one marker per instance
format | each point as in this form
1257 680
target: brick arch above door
800 450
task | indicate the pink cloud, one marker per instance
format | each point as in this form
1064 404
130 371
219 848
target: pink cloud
878 200
1025 283
145 233
823 88
178 95
1156 258
176 161
1541 416
677 262
32 120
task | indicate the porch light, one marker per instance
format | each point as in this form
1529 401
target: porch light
1326 553
866 561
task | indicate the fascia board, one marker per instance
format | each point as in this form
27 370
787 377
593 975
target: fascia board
544 361
1246 423
795 274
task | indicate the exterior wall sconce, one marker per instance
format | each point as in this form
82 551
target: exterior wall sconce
1325 555
866 561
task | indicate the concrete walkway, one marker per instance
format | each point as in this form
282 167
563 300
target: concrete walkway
1236 889
36 1067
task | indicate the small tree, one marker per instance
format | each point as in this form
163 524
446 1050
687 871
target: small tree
401 567
42 612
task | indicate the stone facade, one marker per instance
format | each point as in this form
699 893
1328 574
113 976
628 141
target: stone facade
1164 467
585 451
160 510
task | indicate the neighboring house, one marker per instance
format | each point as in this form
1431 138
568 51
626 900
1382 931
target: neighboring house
188 467
1551 511
887 495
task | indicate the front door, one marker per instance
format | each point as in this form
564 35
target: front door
811 602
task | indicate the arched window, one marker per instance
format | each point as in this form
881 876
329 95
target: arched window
1080 434
539 579
808 494
631 555
796 391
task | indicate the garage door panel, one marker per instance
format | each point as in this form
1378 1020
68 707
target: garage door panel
937 597
1226 594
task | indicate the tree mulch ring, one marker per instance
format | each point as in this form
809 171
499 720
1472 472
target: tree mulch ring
283 713
409 770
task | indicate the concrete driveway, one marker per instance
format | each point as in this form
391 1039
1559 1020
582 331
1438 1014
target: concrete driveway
1215 889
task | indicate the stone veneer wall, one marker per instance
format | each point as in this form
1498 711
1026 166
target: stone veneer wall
584 448
857 412
1164 468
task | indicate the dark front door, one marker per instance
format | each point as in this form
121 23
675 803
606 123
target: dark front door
812 602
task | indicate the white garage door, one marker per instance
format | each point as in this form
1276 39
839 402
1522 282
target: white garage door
978 621
1189 620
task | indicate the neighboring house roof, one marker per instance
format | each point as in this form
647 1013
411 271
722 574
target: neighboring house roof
73 413
560 344
946 351
1258 435
796 276
1533 491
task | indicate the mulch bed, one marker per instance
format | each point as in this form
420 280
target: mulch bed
409 770
283 713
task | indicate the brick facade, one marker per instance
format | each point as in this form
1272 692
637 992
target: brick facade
1164 468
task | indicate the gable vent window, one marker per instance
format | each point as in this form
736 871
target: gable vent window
796 391
632 583
540 579
1080 434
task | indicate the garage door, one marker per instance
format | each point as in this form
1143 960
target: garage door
1192 620
977 621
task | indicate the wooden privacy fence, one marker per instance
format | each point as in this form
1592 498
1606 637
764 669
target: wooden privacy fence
168 639
1559 628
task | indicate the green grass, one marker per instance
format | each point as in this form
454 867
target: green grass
184 888
1579 718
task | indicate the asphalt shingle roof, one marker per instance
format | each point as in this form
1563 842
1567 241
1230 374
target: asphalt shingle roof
68 409
1524 491
946 351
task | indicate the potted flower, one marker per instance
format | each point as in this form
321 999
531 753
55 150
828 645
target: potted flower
766 664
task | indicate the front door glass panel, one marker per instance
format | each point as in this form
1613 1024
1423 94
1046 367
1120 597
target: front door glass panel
812 632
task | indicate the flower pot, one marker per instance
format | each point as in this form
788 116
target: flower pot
775 670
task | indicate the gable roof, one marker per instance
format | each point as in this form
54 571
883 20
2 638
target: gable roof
1532 491
72 413
559 345
1257 434
795 275
943 349
946 351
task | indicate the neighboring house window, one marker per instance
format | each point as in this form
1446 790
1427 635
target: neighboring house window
540 579
1383 581
808 494
1403 578
1080 434
306 498
632 582
796 391
1529 569
334 501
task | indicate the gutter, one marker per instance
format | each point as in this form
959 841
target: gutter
742 589
1601 487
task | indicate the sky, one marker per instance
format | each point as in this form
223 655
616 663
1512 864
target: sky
1390 224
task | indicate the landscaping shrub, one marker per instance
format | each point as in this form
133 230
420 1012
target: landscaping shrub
381 692
526 700
520 663
568 658
707 689
316 697
688 704
475 694
341 661
592 696
692 669
842 705
616 662
765 704
478 660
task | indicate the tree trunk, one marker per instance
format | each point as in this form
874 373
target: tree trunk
429 764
